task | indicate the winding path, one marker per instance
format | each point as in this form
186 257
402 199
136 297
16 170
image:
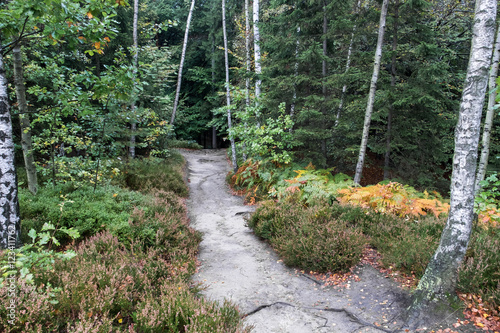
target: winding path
238 266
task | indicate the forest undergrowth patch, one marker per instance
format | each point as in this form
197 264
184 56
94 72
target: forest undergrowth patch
130 269
321 223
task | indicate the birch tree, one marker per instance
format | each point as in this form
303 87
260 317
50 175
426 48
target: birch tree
181 65
228 92
10 222
24 120
371 96
256 49
439 280
490 113
133 126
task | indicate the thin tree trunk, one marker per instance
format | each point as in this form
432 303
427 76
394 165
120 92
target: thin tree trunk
228 93
181 65
388 138
371 96
133 125
324 70
247 60
347 66
214 129
256 48
295 75
490 113
24 120
440 277
10 222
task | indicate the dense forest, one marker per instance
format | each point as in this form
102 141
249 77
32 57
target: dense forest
312 99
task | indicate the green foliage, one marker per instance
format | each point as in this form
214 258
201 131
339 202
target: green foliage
486 202
310 238
186 144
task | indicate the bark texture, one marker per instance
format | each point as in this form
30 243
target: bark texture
181 65
439 280
490 114
256 49
133 126
24 120
228 93
10 223
371 96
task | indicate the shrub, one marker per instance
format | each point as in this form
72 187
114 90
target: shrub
186 144
480 271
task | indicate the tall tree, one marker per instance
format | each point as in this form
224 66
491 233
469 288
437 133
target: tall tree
387 155
439 280
371 96
10 222
181 65
256 49
490 113
24 120
133 126
228 92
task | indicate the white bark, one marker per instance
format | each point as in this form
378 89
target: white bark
371 96
440 276
247 60
10 222
228 92
490 113
181 65
256 48
24 120
133 126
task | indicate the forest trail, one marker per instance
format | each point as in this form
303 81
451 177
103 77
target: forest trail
236 265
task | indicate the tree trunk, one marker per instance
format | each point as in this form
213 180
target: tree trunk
256 48
214 129
324 71
10 222
228 94
387 156
490 113
24 120
181 65
439 280
371 96
133 125
347 66
295 75
247 60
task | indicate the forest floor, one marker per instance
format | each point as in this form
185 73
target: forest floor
235 265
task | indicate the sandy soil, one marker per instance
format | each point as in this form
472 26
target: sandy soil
238 266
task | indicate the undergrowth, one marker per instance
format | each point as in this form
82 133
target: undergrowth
132 267
317 220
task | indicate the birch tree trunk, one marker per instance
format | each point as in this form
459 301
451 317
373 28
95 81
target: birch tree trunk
228 93
133 125
387 156
490 113
371 96
10 222
181 65
347 66
256 48
24 120
439 280
247 60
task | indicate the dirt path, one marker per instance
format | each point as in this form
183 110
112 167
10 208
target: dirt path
236 265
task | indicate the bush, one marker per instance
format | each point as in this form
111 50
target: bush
186 144
310 238
480 271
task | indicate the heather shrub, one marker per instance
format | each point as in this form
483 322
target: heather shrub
310 238
480 271
154 174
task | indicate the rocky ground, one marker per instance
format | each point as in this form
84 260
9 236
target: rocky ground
236 265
